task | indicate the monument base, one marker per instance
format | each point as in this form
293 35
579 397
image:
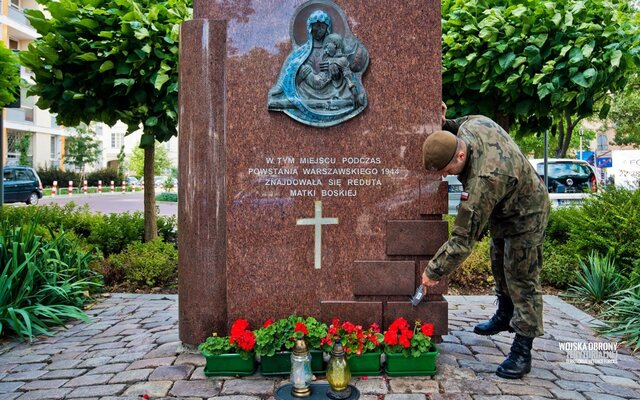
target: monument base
318 391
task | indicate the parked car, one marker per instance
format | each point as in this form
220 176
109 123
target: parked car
21 184
567 175
455 191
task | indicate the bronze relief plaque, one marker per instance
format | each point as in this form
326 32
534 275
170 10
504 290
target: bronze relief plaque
320 83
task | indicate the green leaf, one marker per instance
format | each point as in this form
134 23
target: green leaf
88 23
106 66
545 90
587 49
518 12
575 55
146 48
506 60
141 33
580 80
489 34
88 57
537 78
557 18
604 111
124 81
540 39
590 73
615 58
151 121
519 61
161 79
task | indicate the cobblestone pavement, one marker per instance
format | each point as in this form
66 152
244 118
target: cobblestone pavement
131 349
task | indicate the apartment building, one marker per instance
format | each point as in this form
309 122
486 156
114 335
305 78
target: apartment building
47 137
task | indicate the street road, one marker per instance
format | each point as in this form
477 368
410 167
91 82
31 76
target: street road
111 203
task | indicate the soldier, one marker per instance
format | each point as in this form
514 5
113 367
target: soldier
501 188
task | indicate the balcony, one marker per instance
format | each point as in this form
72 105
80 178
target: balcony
18 16
20 115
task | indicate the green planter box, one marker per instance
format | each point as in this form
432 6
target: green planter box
367 364
280 363
424 365
228 365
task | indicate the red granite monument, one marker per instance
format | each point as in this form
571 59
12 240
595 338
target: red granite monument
279 215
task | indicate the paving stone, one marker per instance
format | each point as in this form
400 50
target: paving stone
453 348
580 386
487 350
167 338
191 358
94 362
562 394
108 369
29 367
172 372
31 358
616 380
165 350
548 356
523 390
45 394
8 387
413 385
244 386
579 368
44 384
601 396
450 339
542 374
240 397
154 389
618 372
539 382
449 396
63 364
129 357
151 362
101 340
9 396
63 373
198 374
86 380
477 366
6 367
471 339
415 396
474 386
371 385
133 375
96 390
490 360
618 390
456 373
506 397
575 376
24 376
207 388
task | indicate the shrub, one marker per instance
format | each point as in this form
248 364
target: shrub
168 228
50 174
43 283
475 271
622 318
106 175
69 217
148 264
166 196
597 281
560 265
114 232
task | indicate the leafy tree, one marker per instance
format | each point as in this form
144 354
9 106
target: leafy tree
162 162
540 64
534 144
121 158
82 148
625 112
22 146
110 60
9 76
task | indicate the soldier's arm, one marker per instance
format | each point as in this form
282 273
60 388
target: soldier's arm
473 214
453 125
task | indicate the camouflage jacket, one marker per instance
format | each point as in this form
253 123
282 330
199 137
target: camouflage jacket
503 189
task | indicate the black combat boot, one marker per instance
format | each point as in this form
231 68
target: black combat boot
518 363
500 321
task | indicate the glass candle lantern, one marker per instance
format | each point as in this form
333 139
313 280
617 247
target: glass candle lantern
338 373
301 370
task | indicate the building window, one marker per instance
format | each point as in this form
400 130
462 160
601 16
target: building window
55 147
116 140
14 44
15 4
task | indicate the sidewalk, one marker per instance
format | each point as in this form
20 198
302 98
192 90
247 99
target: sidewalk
131 347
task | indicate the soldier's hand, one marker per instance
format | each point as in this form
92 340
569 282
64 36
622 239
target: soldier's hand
427 282
444 113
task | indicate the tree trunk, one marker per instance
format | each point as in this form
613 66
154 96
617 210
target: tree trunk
567 135
560 130
150 223
503 120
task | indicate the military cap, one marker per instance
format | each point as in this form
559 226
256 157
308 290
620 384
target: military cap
438 150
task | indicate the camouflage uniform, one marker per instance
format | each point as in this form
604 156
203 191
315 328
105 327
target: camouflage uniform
505 191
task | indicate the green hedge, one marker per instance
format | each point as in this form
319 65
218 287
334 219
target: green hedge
147 264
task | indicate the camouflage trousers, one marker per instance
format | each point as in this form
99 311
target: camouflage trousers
516 265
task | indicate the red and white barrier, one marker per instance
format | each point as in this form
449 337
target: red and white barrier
54 189
99 187
84 187
113 187
124 187
142 187
70 190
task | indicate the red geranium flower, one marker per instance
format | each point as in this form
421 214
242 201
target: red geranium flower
267 323
239 326
427 329
301 327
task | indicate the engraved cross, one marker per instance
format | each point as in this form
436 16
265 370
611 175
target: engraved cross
317 222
